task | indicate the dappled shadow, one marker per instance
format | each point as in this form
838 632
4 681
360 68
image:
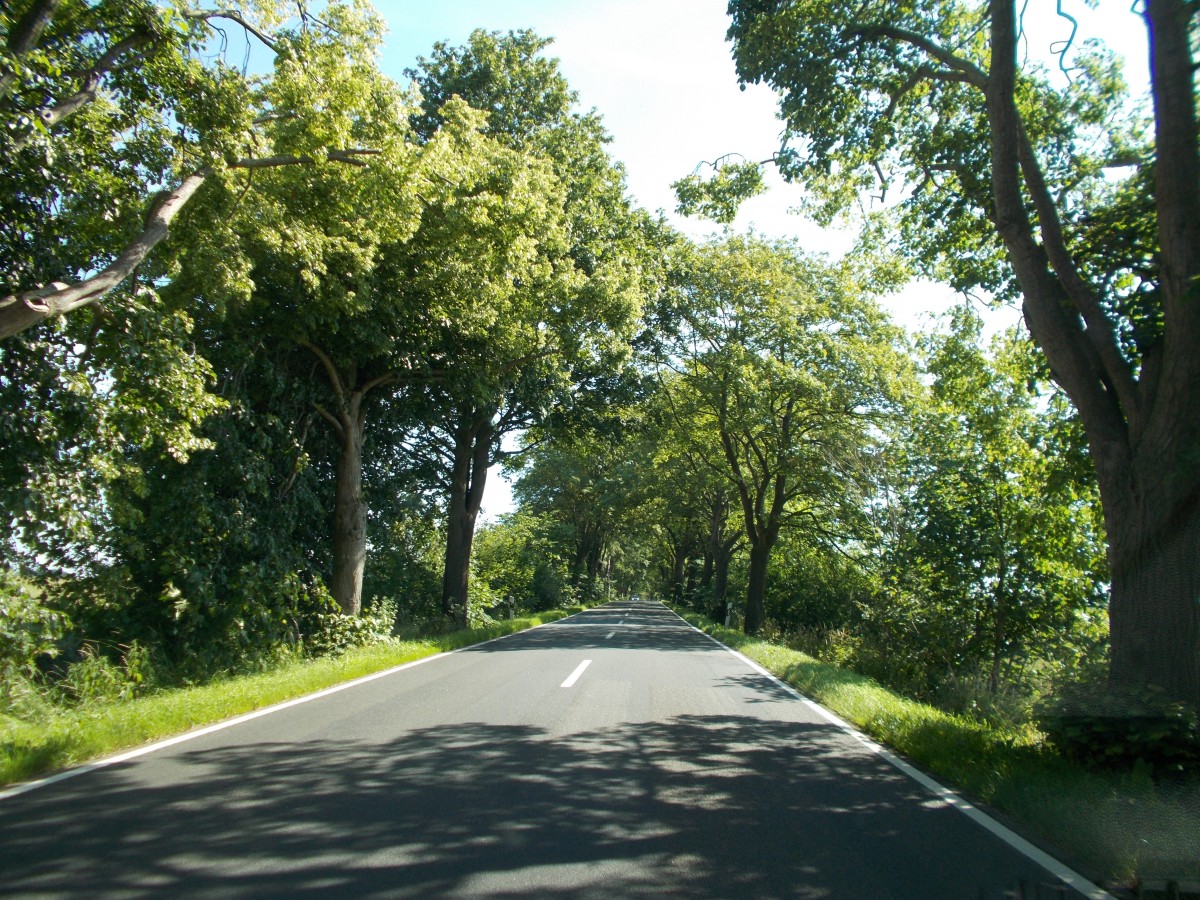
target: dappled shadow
715 806
758 688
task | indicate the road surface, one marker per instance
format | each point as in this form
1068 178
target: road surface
617 753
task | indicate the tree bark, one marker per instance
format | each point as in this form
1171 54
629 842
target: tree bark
349 512
1154 613
349 421
756 589
468 477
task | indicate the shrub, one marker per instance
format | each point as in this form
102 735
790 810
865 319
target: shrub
1120 728
332 632
28 628
96 678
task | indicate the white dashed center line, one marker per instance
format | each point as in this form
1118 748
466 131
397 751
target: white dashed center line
574 676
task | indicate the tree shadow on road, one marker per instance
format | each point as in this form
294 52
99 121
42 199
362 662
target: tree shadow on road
714 806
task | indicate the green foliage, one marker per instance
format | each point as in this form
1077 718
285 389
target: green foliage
505 559
406 566
719 197
996 560
1099 725
94 677
777 374
814 588
28 628
868 109
332 631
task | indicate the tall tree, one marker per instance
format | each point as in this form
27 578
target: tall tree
682 466
302 261
1006 188
787 362
512 362
999 554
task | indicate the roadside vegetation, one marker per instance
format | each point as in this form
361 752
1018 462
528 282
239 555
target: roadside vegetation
104 707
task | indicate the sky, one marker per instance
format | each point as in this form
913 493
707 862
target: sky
660 74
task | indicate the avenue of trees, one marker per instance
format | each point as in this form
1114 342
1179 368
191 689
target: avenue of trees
263 338
1069 198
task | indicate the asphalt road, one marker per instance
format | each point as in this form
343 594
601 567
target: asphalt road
667 766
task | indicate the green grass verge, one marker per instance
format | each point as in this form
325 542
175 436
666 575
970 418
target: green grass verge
1115 827
68 737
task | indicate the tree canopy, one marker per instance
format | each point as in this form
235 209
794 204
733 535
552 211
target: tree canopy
1005 181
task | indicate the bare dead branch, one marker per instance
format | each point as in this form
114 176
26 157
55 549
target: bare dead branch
233 15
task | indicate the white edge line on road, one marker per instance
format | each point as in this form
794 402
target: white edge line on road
1058 869
26 787
574 676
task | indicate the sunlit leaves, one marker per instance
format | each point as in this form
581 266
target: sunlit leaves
999 554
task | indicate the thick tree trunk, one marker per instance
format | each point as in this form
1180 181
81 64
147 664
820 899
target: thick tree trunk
349 512
472 455
349 422
1154 612
677 573
1143 432
756 589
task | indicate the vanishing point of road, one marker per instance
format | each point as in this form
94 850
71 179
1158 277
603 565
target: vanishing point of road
616 753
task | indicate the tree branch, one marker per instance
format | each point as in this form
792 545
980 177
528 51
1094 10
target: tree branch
25 36
52 115
1055 327
963 70
332 420
24 310
1100 330
350 157
234 16
21 311
331 370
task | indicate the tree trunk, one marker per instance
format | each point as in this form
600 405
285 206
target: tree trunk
706 570
595 555
578 561
1143 434
677 572
1154 613
720 586
349 512
472 455
756 589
